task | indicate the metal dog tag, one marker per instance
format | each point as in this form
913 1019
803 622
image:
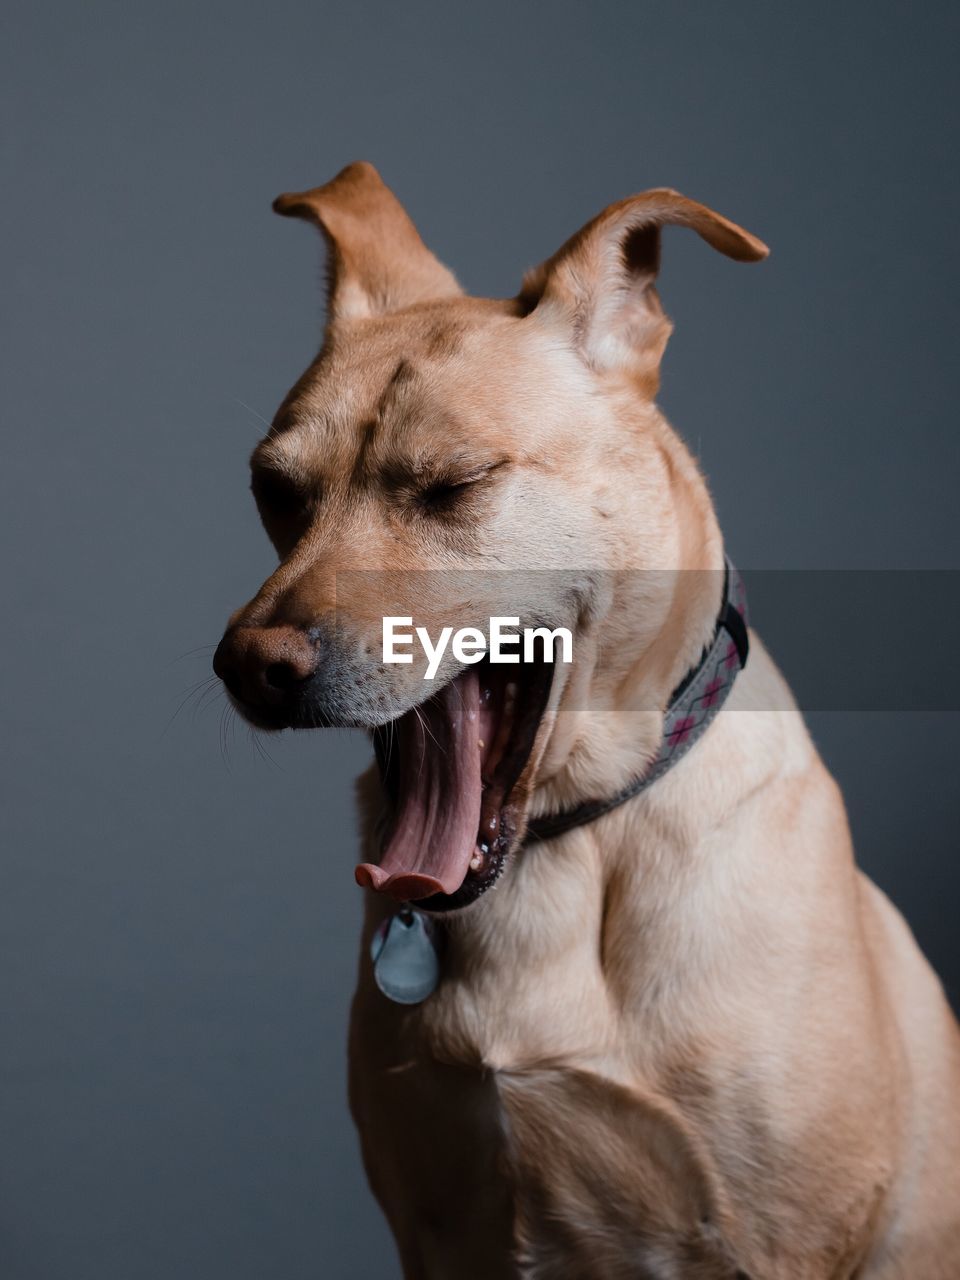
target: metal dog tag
405 963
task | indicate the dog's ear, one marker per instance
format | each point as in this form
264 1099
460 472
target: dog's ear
600 284
377 262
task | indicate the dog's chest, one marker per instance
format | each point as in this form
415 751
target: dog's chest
542 1174
486 1152
554 1166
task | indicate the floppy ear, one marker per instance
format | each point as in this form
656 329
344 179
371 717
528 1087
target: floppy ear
377 263
600 284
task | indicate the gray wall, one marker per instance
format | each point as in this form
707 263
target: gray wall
178 914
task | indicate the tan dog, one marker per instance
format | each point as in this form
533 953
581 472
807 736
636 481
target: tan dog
687 1039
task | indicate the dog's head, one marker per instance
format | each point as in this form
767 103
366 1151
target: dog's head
452 459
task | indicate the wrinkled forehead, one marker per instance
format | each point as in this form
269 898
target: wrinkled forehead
466 374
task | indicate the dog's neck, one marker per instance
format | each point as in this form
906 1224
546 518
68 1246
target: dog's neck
549 923
693 706
647 634
631 919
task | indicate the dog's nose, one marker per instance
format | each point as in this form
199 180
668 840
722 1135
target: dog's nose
261 666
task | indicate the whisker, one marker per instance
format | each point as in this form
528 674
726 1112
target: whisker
423 742
388 754
190 653
427 730
210 694
225 720
197 689
249 408
261 748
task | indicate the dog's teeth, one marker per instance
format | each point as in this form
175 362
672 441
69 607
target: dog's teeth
481 744
476 862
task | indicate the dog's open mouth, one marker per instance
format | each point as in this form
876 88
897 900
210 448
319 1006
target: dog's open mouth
451 767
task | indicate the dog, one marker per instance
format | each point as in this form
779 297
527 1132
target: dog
670 1029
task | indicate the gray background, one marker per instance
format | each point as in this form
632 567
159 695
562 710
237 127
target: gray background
178 923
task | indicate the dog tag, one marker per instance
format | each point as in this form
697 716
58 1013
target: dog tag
405 963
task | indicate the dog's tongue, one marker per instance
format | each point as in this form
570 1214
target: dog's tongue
438 801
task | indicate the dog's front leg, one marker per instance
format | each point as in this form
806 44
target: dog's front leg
432 1140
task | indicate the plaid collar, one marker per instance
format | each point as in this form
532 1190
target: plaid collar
691 709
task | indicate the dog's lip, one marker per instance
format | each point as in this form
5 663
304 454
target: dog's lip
298 712
260 717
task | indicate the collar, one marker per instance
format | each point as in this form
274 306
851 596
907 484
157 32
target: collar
691 709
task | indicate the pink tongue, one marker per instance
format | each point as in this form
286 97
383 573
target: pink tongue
438 805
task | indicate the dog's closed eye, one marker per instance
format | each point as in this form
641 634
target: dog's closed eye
446 493
276 494
284 506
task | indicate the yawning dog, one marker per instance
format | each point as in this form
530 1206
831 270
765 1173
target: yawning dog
626 1007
